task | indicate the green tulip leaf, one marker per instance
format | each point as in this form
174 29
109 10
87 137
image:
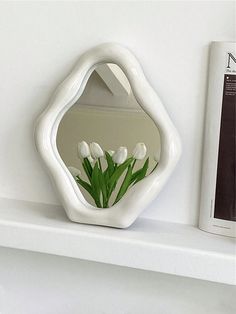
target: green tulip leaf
135 175
89 189
110 165
95 182
88 165
103 188
117 174
125 185
142 172
87 168
85 185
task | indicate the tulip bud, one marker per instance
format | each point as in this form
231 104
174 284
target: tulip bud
96 150
74 171
120 155
157 156
140 151
111 152
83 150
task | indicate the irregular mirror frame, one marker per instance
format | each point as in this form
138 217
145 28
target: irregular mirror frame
123 213
127 145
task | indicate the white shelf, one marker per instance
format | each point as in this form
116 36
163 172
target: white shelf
150 245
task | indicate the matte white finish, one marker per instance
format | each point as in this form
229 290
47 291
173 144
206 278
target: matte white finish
150 245
33 283
124 213
40 41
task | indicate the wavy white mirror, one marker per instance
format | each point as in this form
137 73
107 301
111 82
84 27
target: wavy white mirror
106 139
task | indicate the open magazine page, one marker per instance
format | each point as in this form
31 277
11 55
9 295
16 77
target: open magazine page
225 198
218 193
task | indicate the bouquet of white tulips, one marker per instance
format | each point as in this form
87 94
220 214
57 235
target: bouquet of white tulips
101 183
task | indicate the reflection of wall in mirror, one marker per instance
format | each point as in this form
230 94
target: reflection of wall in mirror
108 87
108 128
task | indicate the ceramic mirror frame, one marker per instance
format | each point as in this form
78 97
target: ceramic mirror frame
123 213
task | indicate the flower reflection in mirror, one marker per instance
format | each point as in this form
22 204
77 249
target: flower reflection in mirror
105 171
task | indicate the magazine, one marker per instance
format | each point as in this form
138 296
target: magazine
218 190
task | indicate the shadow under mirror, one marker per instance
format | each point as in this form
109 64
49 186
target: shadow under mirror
106 139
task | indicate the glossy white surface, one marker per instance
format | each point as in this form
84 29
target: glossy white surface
124 213
150 245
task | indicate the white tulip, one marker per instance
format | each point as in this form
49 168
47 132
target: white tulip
157 156
74 171
140 151
83 150
111 152
120 155
96 150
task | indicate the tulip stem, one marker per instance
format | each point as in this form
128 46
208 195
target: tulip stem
134 163
100 164
154 168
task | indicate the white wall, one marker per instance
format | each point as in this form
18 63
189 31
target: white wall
40 42
33 283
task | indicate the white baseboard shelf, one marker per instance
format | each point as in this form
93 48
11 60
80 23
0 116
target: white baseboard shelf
148 244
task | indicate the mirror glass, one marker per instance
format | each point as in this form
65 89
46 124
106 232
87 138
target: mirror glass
106 140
